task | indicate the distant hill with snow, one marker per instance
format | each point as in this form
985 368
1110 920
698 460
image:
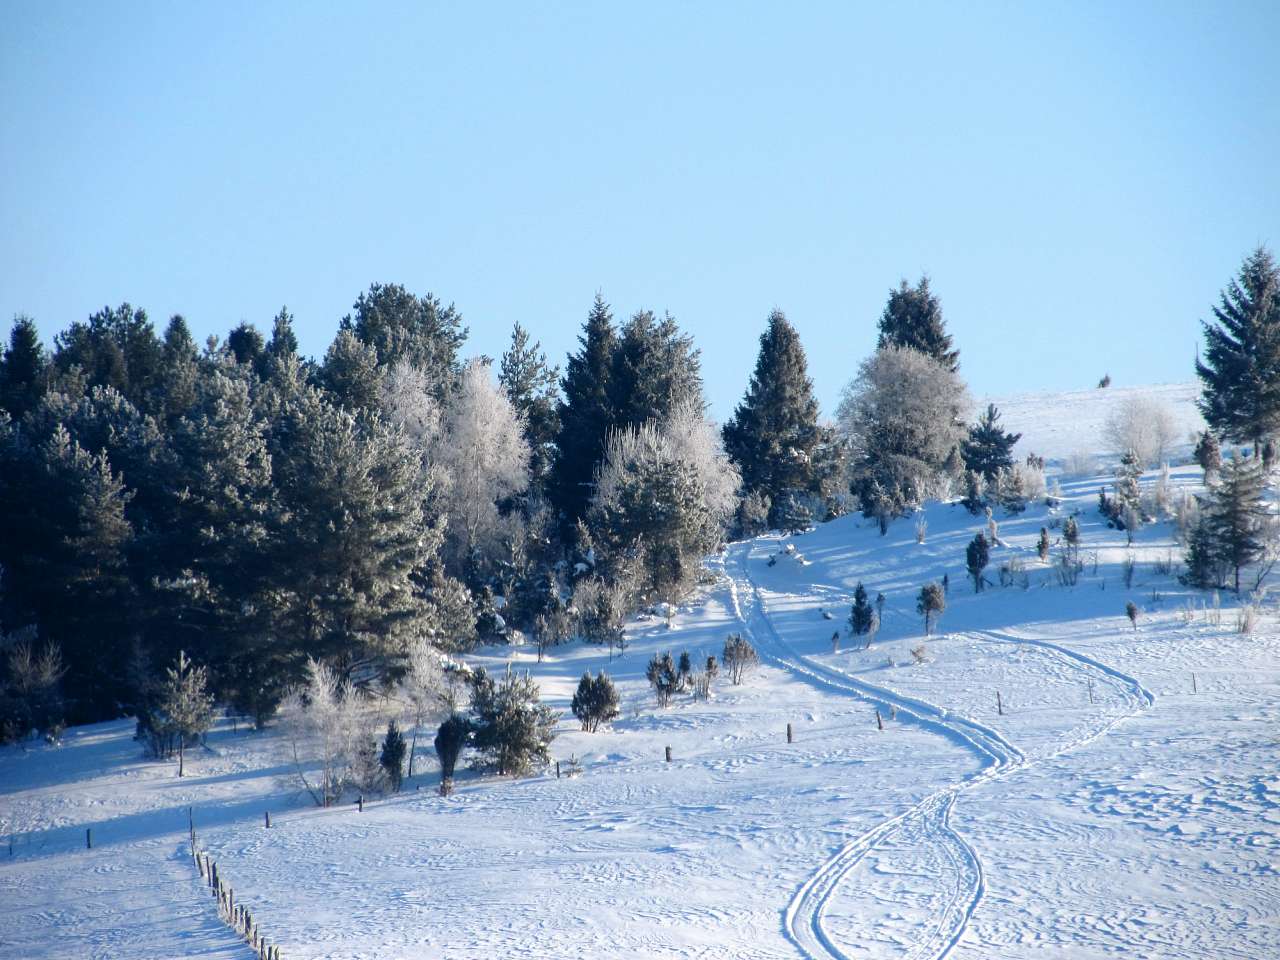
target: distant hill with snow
1059 425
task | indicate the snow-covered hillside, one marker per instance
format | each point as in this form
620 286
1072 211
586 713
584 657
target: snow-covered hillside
1058 426
1048 781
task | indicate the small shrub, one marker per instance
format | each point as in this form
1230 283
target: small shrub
930 604
918 654
739 658
663 678
1131 611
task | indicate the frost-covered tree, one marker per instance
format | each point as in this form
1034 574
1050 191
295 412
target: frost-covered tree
350 372
484 460
901 416
1240 371
421 689
772 435
513 728
30 685
663 496
1144 425
913 318
325 723
988 449
1208 454
183 706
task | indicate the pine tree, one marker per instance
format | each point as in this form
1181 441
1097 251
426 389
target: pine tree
115 348
595 701
513 728
179 372
24 369
398 325
185 707
1208 454
283 342
662 677
1042 545
1236 513
860 618
913 318
391 759
989 449
351 374
454 734
532 388
584 414
930 604
976 557
247 345
773 433
1240 371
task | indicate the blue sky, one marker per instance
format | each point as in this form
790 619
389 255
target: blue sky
1079 180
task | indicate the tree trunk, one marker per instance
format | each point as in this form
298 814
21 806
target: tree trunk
180 738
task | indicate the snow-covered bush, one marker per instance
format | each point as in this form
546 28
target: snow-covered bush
739 657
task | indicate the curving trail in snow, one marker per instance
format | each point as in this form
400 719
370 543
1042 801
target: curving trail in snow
926 827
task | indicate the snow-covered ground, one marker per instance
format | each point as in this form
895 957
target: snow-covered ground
1059 426
1103 809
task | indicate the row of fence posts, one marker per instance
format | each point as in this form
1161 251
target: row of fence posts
235 915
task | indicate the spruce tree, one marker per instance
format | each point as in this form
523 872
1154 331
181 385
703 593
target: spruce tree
350 372
24 369
989 448
532 388
179 371
391 759
115 348
655 368
774 431
1236 514
976 557
1240 371
860 618
283 342
184 705
584 414
913 318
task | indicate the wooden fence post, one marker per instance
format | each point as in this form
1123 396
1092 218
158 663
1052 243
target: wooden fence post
360 802
879 721
88 839
788 733
267 814
1193 683
668 754
999 704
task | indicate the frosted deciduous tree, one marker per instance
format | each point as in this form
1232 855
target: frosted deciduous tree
902 418
484 458
421 689
1144 425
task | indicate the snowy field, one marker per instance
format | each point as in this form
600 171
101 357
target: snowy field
1058 426
1104 809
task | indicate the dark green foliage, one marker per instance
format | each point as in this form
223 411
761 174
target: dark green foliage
976 557
30 686
773 433
595 701
350 373
662 677
792 514
247 345
584 413
989 448
930 604
862 616
751 517
392 756
397 326
532 387
1240 371
654 369
684 668
454 734
513 728
24 369
115 348
913 318
1208 453
284 342
1235 514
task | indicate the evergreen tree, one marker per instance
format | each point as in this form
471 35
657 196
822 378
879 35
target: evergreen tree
419 330
1236 514
115 348
283 342
975 495
861 617
179 371
532 388
662 677
1240 371
930 604
454 734
595 701
391 759
24 369
184 707
913 318
976 557
1208 454
792 513
584 414
1042 545
513 728
989 449
655 369
774 431
351 374
247 345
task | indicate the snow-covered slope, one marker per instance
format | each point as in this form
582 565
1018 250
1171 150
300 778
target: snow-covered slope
1106 804
1058 426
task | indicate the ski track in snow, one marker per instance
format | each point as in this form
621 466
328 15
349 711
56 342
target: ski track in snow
927 824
